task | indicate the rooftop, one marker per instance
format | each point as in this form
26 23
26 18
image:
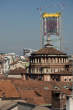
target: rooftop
32 91
17 71
48 51
7 89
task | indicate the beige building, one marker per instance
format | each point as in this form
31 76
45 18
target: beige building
48 64
18 73
18 64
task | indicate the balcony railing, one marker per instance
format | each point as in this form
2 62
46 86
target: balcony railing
48 64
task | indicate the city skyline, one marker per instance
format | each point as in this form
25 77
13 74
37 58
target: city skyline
20 23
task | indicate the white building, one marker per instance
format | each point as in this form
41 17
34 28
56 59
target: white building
5 61
28 52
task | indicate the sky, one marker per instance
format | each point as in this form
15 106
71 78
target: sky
20 23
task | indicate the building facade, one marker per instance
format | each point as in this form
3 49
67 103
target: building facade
49 64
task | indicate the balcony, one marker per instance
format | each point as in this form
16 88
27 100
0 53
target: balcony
48 64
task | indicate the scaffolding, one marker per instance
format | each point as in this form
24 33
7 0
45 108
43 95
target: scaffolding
48 20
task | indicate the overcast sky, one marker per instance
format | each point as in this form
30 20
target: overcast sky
20 23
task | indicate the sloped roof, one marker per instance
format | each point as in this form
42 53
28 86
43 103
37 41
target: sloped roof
33 91
6 104
30 91
7 89
40 87
16 71
41 108
2 76
49 51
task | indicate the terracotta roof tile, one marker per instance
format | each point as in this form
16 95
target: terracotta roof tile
33 91
16 71
30 89
7 89
49 51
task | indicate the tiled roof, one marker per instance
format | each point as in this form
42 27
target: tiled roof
7 89
41 88
32 91
16 71
2 77
49 51
15 62
30 84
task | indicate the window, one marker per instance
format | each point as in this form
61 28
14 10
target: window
65 79
39 60
46 70
69 79
56 69
54 60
